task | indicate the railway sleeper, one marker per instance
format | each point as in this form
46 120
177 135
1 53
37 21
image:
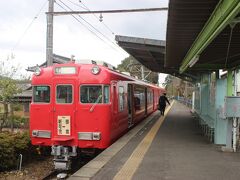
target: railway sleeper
62 156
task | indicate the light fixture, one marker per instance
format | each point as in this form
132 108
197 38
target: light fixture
193 61
37 71
96 70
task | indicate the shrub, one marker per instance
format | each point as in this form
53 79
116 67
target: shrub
6 151
11 145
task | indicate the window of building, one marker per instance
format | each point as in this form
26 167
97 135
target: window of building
121 98
91 94
41 94
64 94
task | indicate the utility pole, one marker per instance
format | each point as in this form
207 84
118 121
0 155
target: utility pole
49 50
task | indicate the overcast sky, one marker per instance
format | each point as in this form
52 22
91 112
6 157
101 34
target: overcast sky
27 41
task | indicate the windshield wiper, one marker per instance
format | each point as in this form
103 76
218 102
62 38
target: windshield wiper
95 103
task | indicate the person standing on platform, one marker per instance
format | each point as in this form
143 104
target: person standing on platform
162 103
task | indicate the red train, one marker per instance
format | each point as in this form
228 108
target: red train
85 106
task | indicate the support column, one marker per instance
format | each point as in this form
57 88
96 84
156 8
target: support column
229 121
193 101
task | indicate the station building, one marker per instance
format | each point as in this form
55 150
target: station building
203 47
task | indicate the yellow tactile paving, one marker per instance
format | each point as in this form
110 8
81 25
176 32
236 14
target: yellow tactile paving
137 156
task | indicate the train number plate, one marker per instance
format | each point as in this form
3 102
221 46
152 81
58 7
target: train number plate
64 125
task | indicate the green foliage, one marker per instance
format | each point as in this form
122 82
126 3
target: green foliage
18 121
131 65
7 154
11 145
178 87
8 89
8 86
17 107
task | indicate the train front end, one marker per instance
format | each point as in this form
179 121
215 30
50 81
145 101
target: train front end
65 115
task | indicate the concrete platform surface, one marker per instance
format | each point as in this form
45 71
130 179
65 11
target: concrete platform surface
175 151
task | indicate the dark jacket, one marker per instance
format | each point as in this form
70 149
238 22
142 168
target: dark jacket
162 100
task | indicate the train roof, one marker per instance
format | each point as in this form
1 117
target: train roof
107 68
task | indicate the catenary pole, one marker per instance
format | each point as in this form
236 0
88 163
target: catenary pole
49 50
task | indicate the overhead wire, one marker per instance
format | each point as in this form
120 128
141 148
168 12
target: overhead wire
29 26
82 23
97 18
86 8
90 26
76 4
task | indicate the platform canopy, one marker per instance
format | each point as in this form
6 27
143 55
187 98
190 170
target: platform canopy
203 35
150 53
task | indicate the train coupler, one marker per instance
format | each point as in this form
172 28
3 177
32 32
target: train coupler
62 156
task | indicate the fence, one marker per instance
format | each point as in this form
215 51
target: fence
185 101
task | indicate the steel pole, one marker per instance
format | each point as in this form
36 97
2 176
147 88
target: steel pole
142 73
49 50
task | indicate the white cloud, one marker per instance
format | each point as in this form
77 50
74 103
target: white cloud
70 37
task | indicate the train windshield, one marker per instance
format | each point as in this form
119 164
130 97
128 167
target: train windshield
91 94
64 94
94 94
41 94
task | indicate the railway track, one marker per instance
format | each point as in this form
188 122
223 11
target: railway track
76 165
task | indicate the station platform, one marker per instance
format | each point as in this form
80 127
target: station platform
166 147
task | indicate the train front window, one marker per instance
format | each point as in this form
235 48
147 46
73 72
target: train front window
41 94
91 94
64 94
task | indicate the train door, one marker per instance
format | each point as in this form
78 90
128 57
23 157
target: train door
64 110
153 100
114 98
130 105
146 101
114 107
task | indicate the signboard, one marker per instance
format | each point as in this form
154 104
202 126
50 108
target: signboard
232 106
64 125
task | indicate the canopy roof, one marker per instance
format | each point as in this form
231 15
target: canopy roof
202 36
199 35
150 53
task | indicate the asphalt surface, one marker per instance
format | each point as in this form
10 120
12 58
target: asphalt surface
177 152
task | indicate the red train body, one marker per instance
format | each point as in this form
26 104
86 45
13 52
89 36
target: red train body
85 106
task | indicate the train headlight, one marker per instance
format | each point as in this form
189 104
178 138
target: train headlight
37 71
96 70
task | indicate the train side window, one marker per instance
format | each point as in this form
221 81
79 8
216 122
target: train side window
91 94
139 98
149 97
64 94
106 94
121 98
41 94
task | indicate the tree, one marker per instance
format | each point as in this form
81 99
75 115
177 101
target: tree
131 65
169 85
178 87
8 88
